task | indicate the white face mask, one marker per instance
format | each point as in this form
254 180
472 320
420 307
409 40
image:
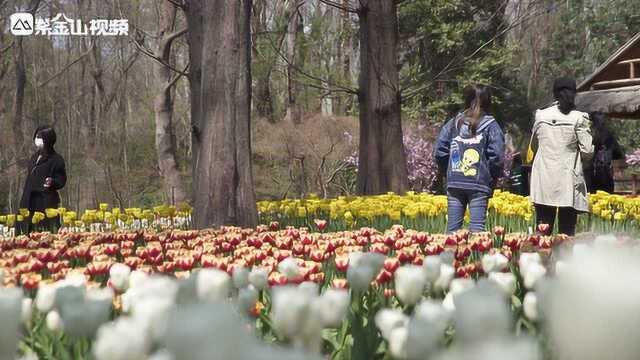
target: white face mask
39 143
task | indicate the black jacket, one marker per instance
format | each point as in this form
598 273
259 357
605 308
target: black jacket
35 196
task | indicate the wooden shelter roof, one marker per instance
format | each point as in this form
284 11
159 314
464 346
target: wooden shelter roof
614 88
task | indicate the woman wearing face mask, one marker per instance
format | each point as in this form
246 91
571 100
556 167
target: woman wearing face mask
46 175
563 136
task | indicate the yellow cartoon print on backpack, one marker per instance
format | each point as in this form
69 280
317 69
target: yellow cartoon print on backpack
469 159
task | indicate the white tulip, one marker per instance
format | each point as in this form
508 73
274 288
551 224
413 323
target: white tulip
578 250
561 267
213 285
354 258
258 277
161 355
527 258
74 279
448 304
137 278
54 321
45 298
100 294
410 281
333 306
247 298
123 339
494 262
389 319
289 267
530 305
460 285
240 277
532 273
119 276
151 313
360 277
592 308
433 313
447 272
432 265
309 287
11 300
151 288
27 310
604 241
505 281
398 342
290 307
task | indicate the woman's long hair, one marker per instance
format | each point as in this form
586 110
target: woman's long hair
48 136
477 102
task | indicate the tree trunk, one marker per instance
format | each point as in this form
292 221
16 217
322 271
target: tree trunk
382 163
163 107
194 38
224 185
263 95
294 110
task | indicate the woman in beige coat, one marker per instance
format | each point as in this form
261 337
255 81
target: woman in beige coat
563 136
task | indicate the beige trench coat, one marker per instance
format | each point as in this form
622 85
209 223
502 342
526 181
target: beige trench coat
563 142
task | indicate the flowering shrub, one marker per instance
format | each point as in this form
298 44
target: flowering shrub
421 166
633 159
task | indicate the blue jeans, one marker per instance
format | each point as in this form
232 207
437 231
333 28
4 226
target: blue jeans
457 201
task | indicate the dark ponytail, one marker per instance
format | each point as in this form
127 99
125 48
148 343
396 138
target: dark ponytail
477 102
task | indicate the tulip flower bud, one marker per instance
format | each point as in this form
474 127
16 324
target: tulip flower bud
530 305
398 342
121 339
54 321
532 273
240 277
119 276
247 298
27 310
505 281
410 282
432 265
447 272
213 285
258 277
45 297
11 300
333 307
389 319
289 268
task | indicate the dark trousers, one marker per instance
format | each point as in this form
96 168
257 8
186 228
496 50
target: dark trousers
567 218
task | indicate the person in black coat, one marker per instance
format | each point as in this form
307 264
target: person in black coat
599 171
45 176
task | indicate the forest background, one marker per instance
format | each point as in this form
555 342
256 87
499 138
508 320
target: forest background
127 137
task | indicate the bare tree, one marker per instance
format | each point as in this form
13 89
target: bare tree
223 178
163 104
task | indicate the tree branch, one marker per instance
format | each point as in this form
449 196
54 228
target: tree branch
66 67
340 6
153 56
6 48
179 4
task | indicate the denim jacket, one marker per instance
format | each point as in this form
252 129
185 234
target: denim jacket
471 162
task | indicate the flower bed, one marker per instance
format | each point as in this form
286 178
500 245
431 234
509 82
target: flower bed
353 294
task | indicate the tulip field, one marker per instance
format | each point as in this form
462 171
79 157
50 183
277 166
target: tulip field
322 279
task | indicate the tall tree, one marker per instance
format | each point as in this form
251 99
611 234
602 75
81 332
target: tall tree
223 179
193 13
294 110
382 162
163 104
